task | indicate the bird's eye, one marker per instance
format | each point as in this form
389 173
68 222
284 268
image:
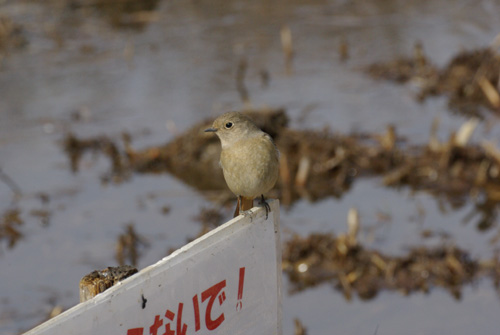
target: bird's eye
228 125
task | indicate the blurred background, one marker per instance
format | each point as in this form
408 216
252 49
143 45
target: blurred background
153 69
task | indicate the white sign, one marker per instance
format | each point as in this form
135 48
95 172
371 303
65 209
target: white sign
226 282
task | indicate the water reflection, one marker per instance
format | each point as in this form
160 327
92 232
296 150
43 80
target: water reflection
319 164
177 63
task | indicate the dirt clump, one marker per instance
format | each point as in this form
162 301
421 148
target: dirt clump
469 80
353 269
318 164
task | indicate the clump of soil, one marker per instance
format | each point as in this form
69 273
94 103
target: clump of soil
404 69
10 221
192 156
318 164
352 268
135 14
470 80
11 36
75 148
129 246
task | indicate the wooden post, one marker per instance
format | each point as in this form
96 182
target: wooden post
99 281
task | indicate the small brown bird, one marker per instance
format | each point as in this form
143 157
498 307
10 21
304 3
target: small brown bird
249 159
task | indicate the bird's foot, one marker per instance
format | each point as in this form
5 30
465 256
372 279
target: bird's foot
264 203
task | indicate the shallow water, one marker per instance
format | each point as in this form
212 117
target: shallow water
158 80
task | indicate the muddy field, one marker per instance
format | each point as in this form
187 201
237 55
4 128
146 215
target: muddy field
389 164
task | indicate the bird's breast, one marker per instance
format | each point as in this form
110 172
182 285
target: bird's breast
250 166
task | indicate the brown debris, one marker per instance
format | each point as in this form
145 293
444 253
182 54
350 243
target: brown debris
75 148
133 14
470 80
165 209
351 268
402 70
287 45
128 246
343 50
9 227
55 311
11 36
319 164
299 327
11 219
465 78
193 156
43 214
241 71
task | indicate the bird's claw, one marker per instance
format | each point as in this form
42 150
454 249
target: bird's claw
264 203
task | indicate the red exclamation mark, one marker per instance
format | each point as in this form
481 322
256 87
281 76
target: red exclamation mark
196 307
239 304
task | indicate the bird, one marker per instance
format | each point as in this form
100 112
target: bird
249 159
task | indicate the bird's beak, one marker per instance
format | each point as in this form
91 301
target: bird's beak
210 130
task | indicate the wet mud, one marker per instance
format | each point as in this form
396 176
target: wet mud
351 268
315 164
319 164
469 80
10 223
120 14
130 246
12 36
192 156
14 219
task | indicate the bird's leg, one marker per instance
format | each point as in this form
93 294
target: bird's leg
263 202
245 205
240 204
237 210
